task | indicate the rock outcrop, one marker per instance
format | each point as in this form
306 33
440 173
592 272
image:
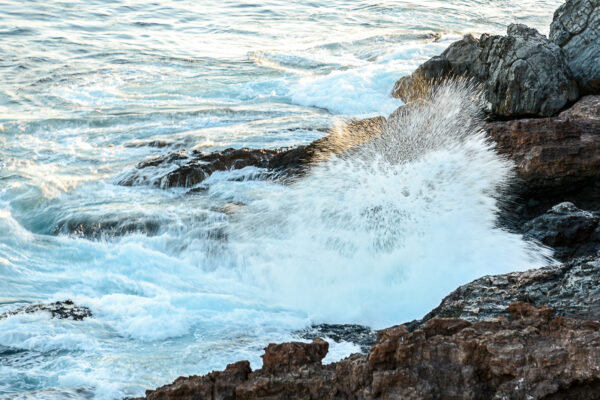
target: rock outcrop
553 155
576 29
60 310
570 231
571 290
188 169
527 354
522 73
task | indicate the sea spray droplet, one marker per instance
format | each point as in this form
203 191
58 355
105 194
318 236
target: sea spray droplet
379 234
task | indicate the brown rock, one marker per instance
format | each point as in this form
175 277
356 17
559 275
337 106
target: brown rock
552 154
527 355
216 385
283 357
183 169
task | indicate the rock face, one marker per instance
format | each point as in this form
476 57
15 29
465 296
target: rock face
526 74
575 29
527 354
60 310
566 228
559 154
523 73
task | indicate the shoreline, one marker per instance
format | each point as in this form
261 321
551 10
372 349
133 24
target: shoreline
465 348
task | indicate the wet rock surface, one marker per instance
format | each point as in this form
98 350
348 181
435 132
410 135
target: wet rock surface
522 73
566 228
188 169
60 310
526 354
575 28
571 290
360 335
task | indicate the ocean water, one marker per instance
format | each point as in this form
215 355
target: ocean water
176 286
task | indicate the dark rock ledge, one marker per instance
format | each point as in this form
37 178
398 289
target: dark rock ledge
60 310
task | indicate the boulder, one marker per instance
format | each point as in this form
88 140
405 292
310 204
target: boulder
576 29
526 74
522 73
285 356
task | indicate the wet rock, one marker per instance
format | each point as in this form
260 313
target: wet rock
60 310
107 226
571 290
568 229
522 73
189 169
526 354
362 336
575 28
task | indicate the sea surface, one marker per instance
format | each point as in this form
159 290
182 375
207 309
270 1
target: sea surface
88 89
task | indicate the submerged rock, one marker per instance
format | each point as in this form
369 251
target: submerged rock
522 73
527 354
60 310
576 29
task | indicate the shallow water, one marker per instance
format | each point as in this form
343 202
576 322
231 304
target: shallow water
176 286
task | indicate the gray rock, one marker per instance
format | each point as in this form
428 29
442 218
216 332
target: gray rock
526 74
571 290
463 56
523 73
576 29
566 228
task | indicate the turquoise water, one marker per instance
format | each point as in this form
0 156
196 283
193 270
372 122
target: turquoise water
87 86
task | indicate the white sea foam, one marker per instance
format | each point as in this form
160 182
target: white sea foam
381 235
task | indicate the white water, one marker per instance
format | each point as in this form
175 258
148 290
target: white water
377 238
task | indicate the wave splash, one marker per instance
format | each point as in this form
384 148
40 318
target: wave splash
379 234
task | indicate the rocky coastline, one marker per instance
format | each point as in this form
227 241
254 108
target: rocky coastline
525 335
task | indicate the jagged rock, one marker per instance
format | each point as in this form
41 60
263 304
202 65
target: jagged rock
571 290
527 354
60 310
284 357
526 74
576 29
522 73
185 169
568 229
